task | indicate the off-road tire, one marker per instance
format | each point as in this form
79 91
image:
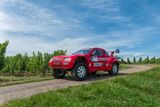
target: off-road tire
115 69
57 73
79 72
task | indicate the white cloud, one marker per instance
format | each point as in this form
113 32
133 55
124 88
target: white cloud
102 5
20 28
139 54
22 44
25 44
108 10
33 18
2 37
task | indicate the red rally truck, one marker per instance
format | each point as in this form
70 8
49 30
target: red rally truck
84 62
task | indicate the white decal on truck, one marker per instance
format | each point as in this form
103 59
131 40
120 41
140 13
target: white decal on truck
102 59
94 59
97 64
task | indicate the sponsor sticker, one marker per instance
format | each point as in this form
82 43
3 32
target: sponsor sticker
97 64
94 59
102 59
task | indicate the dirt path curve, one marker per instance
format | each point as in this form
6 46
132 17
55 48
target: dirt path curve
25 90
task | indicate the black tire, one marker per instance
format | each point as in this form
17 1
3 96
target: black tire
79 72
115 70
57 73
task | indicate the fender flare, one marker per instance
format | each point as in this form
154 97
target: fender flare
79 59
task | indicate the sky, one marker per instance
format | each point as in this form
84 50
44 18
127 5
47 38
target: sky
133 26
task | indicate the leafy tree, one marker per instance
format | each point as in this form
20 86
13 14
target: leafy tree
146 61
152 60
134 60
6 68
19 64
3 47
39 61
36 63
25 62
140 60
32 64
157 61
59 52
45 66
128 60
123 61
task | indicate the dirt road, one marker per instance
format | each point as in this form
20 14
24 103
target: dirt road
26 90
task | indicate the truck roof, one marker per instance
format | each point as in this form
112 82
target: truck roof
93 48
98 48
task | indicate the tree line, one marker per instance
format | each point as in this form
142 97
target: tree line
37 63
146 60
20 65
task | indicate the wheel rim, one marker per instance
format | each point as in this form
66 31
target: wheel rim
114 69
81 71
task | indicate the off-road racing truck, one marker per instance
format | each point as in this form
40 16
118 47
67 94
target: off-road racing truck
84 62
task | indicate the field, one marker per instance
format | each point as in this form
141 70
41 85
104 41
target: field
135 90
12 80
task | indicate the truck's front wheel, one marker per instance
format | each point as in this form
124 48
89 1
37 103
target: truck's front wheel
115 69
79 72
57 73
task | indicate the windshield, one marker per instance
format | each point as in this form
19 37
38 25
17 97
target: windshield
83 51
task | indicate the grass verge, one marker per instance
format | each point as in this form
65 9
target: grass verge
124 66
12 80
135 90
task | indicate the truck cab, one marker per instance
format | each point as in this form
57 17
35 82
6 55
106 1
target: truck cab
84 62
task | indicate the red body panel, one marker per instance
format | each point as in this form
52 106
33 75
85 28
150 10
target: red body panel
93 63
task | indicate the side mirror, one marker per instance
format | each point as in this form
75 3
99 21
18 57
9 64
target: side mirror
117 51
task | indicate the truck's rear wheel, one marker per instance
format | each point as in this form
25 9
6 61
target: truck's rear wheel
115 69
57 73
79 72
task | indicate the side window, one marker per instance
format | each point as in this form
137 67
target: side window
100 52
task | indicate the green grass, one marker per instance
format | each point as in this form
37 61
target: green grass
135 90
12 80
124 66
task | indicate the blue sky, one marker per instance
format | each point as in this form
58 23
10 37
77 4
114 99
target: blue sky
133 26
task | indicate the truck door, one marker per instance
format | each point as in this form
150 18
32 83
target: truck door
99 59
